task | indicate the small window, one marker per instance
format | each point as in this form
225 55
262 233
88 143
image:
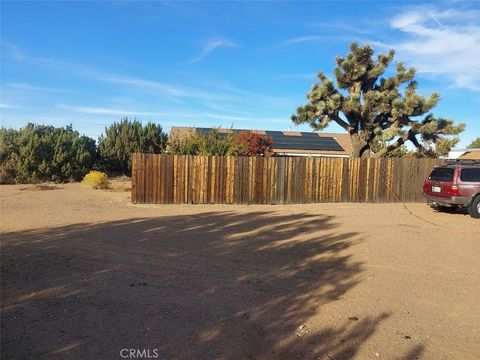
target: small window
442 174
470 175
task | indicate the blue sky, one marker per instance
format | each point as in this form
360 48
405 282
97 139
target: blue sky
246 64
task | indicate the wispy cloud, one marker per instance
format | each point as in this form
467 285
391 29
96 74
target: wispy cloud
315 38
161 88
211 46
215 100
283 77
249 119
180 114
9 50
173 91
106 111
33 88
302 39
442 43
7 106
362 27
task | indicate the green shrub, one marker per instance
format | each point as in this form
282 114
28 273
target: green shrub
8 169
44 153
123 138
8 155
96 180
211 143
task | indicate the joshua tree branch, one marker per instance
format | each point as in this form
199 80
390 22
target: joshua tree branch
410 135
342 122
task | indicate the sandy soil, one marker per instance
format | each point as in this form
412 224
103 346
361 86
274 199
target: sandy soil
85 275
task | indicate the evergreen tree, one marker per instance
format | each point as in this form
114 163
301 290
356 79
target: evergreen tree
44 153
9 155
373 108
123 138
475 144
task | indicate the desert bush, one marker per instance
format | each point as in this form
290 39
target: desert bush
210 143
44 153
96 180
123 138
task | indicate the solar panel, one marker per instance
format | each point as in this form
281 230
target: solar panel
203 130
304 141
221 135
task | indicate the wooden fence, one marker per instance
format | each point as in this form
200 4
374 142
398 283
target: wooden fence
176 179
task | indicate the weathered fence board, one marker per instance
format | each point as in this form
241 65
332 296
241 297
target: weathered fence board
176 179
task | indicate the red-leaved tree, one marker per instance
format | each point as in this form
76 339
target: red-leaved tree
254 144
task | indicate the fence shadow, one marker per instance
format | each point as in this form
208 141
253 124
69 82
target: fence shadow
205 286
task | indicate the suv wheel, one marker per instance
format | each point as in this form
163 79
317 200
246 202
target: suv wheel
474 208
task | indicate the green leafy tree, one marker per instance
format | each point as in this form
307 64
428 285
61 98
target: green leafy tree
44 153
475 144
123 138
9 155
372 108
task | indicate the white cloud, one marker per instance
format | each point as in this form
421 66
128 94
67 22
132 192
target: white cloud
180 114
364 26
300 76
106 111
210 93
161 88
443 43
210 46
6 106
253 119
302 39
34 88
173 91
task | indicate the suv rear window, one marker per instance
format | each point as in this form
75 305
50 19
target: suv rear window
442 174
470 175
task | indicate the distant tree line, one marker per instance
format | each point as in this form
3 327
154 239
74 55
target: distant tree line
38 153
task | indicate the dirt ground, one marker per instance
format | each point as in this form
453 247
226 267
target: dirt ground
85 274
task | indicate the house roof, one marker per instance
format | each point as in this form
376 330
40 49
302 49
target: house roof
290 142
470 155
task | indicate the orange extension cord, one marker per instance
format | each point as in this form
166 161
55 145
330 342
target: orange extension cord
405 206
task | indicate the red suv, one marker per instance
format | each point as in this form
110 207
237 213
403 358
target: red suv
454 186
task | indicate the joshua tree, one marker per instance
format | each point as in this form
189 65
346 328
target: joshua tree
374 108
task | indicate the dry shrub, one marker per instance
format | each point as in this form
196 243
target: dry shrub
97 180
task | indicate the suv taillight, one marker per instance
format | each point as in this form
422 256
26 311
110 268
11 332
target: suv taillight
455 191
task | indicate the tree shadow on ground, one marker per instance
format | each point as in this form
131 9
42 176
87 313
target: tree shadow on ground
204 286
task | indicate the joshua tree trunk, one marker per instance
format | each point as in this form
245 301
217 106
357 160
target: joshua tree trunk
360 146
